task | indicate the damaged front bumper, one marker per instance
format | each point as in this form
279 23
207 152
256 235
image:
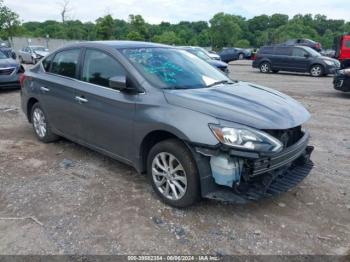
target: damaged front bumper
261 175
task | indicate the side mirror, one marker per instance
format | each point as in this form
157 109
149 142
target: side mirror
307 55
118 83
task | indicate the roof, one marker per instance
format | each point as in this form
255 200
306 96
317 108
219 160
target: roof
120 44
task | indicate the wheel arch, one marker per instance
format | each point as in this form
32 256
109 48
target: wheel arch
31 102
151 139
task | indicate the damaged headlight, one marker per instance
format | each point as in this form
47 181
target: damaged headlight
345 72
246 138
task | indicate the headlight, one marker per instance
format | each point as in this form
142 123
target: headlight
345 72
331 63
246 138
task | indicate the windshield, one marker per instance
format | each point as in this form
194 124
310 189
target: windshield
170 68
312 52
2 55
38 48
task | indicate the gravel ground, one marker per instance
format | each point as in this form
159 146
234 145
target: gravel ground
62 198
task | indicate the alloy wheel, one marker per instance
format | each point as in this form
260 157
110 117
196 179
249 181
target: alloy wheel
316 71
39 122
265 68
169 176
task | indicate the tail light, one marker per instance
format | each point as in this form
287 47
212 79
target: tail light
318 45
22 78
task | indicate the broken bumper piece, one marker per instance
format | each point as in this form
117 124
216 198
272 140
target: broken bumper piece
261 177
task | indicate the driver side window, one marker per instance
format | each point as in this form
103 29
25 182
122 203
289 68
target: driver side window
99 67
299 52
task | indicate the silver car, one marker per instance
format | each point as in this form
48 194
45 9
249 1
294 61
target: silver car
32 54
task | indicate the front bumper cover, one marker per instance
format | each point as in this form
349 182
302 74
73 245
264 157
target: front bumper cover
262 176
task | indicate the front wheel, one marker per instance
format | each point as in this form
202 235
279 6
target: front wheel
241 57
265 67
317 71
173 173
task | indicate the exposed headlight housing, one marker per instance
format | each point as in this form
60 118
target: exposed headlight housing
247 139
345 72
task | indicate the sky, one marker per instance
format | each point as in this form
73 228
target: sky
156 11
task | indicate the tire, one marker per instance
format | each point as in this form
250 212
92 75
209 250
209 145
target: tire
186 176
265 67
41 126
240 56
317 70
275 71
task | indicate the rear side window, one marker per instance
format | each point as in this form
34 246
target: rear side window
65 63
266 50
47 63
282 51
299 52
99 67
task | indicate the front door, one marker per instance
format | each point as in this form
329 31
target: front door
300 60
105 114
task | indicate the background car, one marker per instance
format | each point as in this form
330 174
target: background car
32 54
211 54
230 54
10 71
7 50
216 63
305 42
341 80
294 59
342 47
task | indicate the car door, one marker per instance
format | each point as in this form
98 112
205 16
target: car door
25 54
300 60
105 114
56 86
281 58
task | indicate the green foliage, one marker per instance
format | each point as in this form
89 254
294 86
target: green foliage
9 22
223 30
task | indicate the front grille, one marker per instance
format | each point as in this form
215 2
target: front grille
7 71
288 137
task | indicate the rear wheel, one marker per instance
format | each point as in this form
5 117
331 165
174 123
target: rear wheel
265 67
173 173
241 56
41 125
317 71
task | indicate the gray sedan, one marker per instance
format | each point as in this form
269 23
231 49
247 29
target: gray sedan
32 54
169 114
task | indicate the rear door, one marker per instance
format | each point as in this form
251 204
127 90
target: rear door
299 60
281 58
105 114
56 87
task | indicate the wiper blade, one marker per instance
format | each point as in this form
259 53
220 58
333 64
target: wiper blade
220 82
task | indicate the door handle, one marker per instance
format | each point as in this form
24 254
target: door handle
44 89
81 99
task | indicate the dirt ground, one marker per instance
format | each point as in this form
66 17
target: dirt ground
62 198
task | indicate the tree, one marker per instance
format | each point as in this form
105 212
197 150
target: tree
105 28
225 30
138 24
9 22
243 43
134 36
168 37
65 9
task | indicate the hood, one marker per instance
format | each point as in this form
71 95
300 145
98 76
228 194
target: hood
217 63
8 62
42 53
243 103
335 61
